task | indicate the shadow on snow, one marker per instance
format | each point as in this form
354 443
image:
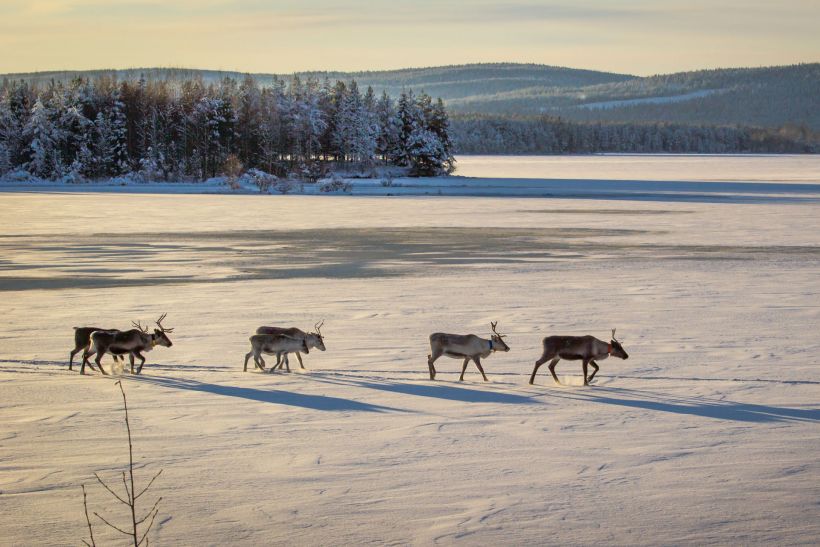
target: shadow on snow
695 406
275 396
432 389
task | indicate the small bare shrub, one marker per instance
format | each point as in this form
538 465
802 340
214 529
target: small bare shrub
284 186
312 172
335 184
260 179
128 498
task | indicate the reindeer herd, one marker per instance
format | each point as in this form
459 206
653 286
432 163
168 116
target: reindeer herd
280 341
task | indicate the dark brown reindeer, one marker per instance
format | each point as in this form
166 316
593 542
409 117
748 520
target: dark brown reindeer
464 346
82 338
586 349
132 342
312 340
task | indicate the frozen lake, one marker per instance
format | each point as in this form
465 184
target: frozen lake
705 179
645 167
707 434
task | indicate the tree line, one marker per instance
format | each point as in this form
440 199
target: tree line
549 135
187 130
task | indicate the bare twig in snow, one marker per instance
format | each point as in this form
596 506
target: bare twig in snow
130 497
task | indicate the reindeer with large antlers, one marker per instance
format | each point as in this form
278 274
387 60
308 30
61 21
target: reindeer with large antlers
132 342
312 340
586 349
464 346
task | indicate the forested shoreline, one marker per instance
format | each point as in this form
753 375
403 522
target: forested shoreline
186 130
550 135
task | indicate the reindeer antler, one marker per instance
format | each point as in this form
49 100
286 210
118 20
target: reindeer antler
318 327
159 324
493 325
140 327
613 335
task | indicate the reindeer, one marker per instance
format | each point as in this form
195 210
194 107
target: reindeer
312 340
132 342
273 344
82 339
586 349
465 347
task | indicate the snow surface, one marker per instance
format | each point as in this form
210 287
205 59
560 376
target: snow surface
709 433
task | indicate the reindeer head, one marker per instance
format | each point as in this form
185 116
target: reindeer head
160 336
617 348
315 339
498 342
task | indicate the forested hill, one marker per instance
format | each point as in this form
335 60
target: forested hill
448 82
762 97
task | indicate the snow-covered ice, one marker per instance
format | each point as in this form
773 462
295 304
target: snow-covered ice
709 433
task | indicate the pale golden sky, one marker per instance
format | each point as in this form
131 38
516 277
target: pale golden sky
634 36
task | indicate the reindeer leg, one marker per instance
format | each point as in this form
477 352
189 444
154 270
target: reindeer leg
142 361
131 359
463 368
71 355
552 369
247 356
99 364
287 362
594 372
477 361
299 356
584 367
431 360
538 364
86 355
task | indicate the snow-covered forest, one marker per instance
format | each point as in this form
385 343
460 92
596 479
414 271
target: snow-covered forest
186 130
550 135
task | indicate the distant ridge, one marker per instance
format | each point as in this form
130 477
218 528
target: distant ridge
765 97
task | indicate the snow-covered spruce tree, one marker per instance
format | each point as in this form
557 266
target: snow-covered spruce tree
388 142
305 122
76 130
439 123
424 142
15 109
348 104
355 128
248 120
7 132
44 139
409 119
269 146
368 130
214 122
427 154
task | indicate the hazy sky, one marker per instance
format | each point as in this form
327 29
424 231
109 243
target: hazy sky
637 36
